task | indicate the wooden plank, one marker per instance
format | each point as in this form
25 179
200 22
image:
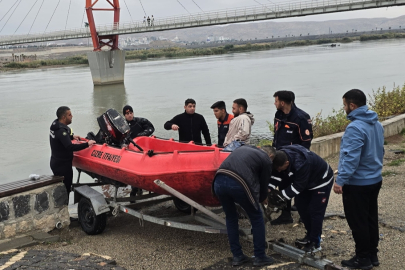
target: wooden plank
27 184
22 183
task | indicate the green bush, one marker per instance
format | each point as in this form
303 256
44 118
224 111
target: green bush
388 103
337 122
16 65
346 40
228 47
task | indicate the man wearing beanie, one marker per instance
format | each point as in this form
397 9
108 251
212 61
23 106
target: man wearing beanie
139 127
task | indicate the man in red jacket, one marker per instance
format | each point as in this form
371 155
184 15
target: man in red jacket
223 120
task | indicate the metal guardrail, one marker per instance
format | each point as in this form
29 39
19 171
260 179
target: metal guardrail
238 15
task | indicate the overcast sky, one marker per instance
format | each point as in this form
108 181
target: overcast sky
13 12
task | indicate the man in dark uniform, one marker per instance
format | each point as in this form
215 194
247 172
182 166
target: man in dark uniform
62 148
139 127
190 125
223 120
243 178
291 126
310 182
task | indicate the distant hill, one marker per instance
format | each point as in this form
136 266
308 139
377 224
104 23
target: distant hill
270 28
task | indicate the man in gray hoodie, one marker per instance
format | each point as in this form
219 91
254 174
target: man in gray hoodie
241 125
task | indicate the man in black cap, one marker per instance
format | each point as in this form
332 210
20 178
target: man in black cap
62 148
189 124
139 127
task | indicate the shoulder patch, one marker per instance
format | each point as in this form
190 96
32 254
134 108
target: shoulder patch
309 121
307 132
64 133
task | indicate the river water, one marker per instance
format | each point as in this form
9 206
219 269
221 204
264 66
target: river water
319 76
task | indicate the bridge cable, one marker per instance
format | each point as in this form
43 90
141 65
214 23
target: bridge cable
10 15
36 17
198 6
184 7
84 11
128 11
259 3
67 17
26 16
52 16
276 4
8 11
264 5
142 7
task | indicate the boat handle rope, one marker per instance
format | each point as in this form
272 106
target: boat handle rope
141 220
115 211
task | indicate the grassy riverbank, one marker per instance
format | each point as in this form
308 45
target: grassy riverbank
75 60
386 103
184 52
179 52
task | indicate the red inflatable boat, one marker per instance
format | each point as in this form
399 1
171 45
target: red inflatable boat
186 167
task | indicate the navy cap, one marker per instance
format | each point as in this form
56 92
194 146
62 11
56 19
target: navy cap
127 109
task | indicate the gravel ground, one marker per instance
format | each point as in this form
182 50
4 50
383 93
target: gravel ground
158 247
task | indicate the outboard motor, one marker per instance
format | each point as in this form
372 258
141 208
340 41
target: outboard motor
114 129
114 126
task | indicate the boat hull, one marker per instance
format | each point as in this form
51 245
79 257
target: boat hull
188 168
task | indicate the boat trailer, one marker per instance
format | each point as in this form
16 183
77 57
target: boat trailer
93 208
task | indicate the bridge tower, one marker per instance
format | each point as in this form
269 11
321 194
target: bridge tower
106 66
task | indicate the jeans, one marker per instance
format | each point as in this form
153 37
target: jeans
311 205
229 191
361 209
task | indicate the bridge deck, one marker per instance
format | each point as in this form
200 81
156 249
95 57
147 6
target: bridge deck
248 14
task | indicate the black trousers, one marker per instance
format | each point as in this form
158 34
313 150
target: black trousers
63 168
311 205
361 209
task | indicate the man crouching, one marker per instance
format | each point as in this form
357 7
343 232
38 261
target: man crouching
311 181
243 178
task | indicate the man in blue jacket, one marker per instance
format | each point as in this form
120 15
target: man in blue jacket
359 178
310 180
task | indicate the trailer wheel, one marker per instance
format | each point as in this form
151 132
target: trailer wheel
90 223
182 206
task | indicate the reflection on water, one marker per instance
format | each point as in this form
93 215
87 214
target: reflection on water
108 97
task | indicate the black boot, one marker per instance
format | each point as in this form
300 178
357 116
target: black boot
266 260
284 218
301 242
236 261
358 263
374 259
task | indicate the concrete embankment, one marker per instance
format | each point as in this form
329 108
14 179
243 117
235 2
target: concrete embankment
330 145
